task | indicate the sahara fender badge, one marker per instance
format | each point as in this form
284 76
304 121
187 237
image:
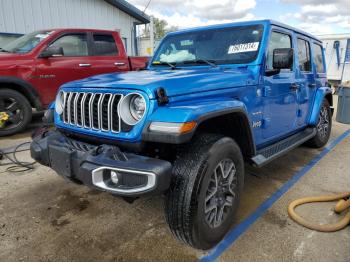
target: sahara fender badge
257 124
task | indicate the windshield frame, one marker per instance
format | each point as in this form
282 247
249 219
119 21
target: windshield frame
11 47
259 26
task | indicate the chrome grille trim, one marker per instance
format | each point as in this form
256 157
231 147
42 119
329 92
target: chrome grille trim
80 110
87 103
76 109
69 107
119 118
90 110
109 112
99 96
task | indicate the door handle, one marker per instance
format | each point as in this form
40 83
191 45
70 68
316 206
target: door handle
294 87
119 63
312 85
84 65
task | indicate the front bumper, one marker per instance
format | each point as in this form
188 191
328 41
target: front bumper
104 167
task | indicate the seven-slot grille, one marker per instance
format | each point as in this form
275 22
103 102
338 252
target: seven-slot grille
96 111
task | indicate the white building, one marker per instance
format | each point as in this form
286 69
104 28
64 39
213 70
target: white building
335 59
24 16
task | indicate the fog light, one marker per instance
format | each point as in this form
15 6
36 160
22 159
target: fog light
114 177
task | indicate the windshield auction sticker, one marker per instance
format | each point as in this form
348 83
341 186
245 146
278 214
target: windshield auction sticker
241 48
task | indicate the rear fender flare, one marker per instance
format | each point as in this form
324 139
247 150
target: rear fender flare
321 94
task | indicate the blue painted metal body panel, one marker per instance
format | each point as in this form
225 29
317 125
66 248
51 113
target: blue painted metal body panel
273 109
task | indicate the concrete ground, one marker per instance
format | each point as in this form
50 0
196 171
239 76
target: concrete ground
45 218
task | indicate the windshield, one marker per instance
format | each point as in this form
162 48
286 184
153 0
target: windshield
233 45
26 43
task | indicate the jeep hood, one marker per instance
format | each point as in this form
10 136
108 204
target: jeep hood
175 82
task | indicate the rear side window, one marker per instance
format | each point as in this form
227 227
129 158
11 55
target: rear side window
318 58
72 44
304 55
105 45
277 40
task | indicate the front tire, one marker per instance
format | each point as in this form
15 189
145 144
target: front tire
324 127
205 192
15 112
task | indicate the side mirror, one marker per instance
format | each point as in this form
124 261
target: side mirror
51 51
283 58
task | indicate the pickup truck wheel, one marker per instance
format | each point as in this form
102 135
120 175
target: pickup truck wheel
324 127
15 112
206 187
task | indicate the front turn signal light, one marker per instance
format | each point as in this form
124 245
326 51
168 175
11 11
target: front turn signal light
172 128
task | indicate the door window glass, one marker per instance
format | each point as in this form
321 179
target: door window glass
105 45
277 40
304 55
318 58
72 45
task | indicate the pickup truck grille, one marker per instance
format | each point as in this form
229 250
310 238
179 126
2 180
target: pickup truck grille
96 111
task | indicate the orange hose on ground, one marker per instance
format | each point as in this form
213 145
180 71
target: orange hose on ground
340 207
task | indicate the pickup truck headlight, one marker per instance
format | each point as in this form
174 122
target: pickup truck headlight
59 103
132 108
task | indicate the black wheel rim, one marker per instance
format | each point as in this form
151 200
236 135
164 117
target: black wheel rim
323 123
221 193
10 110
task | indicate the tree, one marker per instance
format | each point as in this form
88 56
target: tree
161 28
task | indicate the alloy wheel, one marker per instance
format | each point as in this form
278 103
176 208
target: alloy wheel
221 193
323 123
11 113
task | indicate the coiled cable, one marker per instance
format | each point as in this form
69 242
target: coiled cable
14 164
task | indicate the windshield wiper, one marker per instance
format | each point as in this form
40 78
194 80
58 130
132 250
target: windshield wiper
201 61
165 63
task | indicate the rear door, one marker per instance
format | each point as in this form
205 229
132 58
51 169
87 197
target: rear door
280 97
75 64
305 79
319 64
108 54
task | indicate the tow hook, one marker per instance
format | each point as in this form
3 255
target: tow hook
4 117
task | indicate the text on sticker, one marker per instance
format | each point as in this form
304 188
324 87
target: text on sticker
240 48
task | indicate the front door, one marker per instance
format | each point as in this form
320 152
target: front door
75 64
280 92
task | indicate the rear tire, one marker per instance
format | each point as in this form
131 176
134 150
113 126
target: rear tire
205 191
15 107
324 127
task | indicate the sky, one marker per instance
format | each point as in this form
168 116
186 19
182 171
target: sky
315 16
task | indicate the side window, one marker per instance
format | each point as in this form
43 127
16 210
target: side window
105 45
277 40
304 55
318 58
73 45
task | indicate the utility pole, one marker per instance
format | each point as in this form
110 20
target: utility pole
151 35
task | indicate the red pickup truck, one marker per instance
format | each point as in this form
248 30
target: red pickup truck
35 65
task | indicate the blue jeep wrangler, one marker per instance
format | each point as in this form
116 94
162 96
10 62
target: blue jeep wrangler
211 99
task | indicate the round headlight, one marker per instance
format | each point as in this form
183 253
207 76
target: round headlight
137 107
132 108
59 103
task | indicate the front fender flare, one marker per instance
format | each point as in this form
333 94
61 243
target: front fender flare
24 88
188 111
321 94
